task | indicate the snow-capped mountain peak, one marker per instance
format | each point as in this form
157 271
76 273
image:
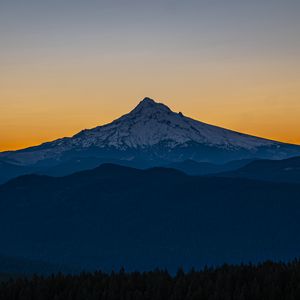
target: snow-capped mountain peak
152 131
148 106
151 123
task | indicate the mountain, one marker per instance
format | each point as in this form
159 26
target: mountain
10 170
192 167
286 170
150 135
112 216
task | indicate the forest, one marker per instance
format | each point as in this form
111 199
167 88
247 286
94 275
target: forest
267 281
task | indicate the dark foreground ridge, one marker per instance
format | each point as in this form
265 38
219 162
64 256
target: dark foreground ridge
268 281
116 216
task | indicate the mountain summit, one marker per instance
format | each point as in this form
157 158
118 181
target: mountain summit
148 104
151 135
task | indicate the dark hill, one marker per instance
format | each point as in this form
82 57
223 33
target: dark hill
142 219
192 167
287 170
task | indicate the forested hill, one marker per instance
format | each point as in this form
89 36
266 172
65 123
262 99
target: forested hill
268 281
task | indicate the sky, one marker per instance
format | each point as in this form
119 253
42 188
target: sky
69 65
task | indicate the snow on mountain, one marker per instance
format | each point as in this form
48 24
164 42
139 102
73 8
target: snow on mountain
151 123
148 126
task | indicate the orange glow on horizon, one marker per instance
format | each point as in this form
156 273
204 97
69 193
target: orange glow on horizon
38 105
39 125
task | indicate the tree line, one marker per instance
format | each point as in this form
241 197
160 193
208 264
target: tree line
266 281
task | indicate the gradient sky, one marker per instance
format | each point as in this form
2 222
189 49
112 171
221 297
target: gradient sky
69 65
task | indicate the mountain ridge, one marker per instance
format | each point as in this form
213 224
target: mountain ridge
141 219
286 170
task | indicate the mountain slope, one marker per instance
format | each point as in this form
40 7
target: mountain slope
10 170
286 170
150 135
192 167
142 219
